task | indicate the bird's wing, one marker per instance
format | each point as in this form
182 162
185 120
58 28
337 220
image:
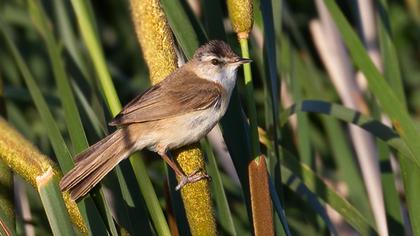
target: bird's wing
172 97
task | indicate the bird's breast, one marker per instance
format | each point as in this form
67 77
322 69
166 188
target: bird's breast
186 129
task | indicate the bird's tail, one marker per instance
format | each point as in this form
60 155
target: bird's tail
95 162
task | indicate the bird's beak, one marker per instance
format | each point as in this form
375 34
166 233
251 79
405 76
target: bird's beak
240 61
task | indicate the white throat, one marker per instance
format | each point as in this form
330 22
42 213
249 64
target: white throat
225 77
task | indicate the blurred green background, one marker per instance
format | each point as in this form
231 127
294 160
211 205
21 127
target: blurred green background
318 154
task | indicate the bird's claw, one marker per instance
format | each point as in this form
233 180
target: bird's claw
192 178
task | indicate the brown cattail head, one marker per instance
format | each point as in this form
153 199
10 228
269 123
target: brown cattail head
262 209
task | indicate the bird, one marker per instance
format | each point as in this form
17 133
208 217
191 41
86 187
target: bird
179 110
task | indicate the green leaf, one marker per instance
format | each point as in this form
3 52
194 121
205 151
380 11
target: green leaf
270 63
213 20
90 37
71 113
292 167
67 35
224 214
52 200
155 211
347 167
303 129
278 207
388 100
177 205
392 74
94 120
181 26
338 145
60 148
250 102
313 201
373 126
91 40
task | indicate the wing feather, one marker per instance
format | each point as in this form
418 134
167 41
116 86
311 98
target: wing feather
172 97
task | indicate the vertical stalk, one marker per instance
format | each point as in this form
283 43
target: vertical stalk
250 102
241 14
92 44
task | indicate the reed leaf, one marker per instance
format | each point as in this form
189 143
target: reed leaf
388 100
392 74
71 113
53 203
224 214
271 76
181 27
55 137
337 139
374 127
329 196
90 37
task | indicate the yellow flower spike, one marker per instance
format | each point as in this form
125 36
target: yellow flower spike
25 159
155 38
196 196
241 14
158 48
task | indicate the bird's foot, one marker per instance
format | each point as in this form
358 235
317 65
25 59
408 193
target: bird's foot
192 178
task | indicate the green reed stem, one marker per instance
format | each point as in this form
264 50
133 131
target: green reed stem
92 44
250 102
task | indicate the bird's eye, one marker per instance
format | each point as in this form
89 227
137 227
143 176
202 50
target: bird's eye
215 62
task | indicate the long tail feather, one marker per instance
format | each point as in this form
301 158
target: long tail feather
94 163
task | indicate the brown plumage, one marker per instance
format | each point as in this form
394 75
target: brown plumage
94 163
165 100
177 111
160 102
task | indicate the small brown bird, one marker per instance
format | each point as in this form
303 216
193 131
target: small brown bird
178 111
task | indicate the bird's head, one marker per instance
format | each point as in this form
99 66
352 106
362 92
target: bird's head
217 62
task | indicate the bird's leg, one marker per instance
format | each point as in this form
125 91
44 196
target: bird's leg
183 179
172 164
